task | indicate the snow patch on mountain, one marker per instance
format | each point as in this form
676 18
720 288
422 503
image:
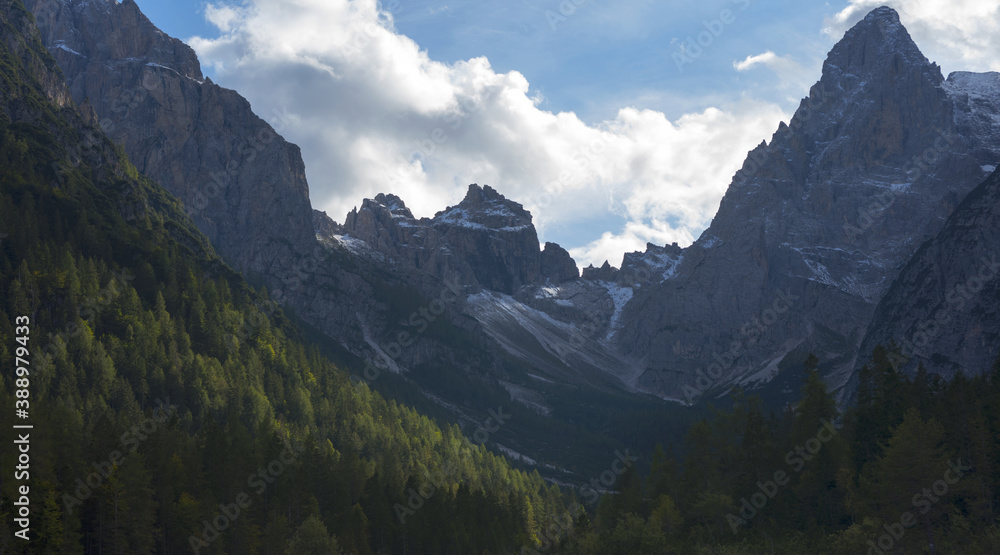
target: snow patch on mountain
460 217
62 46
358 247
514 455
985 85
620 296
710 241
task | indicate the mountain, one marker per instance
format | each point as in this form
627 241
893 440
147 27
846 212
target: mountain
817 224
810 236
175 408
943 310
485 241
359 286
243 185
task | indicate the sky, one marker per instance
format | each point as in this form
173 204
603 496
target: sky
614 123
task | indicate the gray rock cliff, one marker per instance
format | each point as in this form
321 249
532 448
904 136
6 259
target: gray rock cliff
817 223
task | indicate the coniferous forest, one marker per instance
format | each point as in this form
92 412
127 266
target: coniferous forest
177 409
174 407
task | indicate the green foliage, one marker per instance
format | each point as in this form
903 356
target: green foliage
312 539
915 458
165 391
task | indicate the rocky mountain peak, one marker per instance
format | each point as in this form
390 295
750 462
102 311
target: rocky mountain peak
484 207
557 265
876 40
83 32
606 272
394 204
242 184
827 211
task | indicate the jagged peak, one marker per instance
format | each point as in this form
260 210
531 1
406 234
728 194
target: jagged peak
93 19
884 14
871 43
485 207
485 194
394 204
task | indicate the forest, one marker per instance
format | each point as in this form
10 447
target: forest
911 466
176 409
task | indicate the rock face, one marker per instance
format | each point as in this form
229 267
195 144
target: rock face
652 266
22 40
605 273
324 225
486 240
944 308
557 266
815 226
369 283
804 255
243 185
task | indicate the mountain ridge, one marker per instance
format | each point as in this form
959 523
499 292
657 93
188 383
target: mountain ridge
823 212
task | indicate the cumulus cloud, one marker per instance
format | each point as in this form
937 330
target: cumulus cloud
374 113
958 34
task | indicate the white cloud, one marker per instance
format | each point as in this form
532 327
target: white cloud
766 58
633 237
221 16
958 34
373 113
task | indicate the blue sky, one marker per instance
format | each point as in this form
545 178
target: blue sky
604 118
600 57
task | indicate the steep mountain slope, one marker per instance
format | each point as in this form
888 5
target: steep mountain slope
243 185
160 380
816 225
530 301
148 92
240 181
810 235
808 239
484 241
944 308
